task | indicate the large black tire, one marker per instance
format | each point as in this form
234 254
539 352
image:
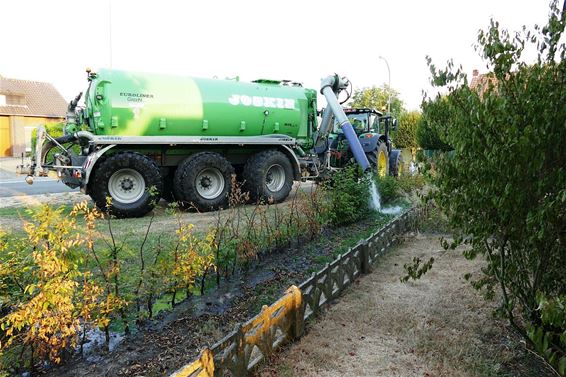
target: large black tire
372 158
127 177
380 168
268 176
203 181
395 163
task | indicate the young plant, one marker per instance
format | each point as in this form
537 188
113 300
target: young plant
45 321
99 291
348 193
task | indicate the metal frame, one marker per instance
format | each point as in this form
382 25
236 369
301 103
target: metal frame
93 157
275 139
109 141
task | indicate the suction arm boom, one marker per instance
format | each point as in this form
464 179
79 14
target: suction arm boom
330 87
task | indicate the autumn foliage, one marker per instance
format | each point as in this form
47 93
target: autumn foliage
71 274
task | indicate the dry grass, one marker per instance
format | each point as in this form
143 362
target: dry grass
437 326
12 212
56 199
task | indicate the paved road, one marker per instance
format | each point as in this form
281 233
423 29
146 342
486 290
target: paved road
18 186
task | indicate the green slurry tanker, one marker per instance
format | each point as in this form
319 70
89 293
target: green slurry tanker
140 137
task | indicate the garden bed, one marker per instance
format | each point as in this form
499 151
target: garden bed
174 338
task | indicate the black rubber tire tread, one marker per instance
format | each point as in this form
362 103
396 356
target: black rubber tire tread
255 172
395 162
184 181
372 156
142 164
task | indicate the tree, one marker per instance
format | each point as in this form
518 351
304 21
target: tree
505 186
406 134
433 126
376 98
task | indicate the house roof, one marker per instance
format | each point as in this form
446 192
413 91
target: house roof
41 98
480 82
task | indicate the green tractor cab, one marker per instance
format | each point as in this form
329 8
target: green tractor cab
372 128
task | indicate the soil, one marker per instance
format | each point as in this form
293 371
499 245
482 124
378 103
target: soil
436 326
175 338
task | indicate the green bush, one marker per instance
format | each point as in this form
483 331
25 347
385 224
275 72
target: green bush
53 129
348 193
406 134
432 127
389 189
549 338
409 183
505 185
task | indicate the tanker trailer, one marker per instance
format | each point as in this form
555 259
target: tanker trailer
140 137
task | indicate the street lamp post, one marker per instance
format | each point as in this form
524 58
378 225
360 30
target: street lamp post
388 85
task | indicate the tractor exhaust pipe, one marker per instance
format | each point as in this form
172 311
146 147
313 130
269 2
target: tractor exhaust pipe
330 87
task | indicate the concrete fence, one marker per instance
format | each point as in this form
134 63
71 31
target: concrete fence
284 321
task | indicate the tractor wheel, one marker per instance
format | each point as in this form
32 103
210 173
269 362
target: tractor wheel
396 166
127 177
203 181
268 176
372 158
378 160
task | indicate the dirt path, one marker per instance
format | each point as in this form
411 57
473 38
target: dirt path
437 326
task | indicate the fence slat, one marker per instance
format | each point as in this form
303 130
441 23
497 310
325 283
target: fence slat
201 367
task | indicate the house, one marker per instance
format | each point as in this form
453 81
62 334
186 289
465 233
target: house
481 81
24 105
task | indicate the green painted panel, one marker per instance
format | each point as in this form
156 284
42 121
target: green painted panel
127 103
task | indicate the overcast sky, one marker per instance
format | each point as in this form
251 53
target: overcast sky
304 40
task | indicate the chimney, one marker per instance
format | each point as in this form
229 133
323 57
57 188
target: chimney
475 72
